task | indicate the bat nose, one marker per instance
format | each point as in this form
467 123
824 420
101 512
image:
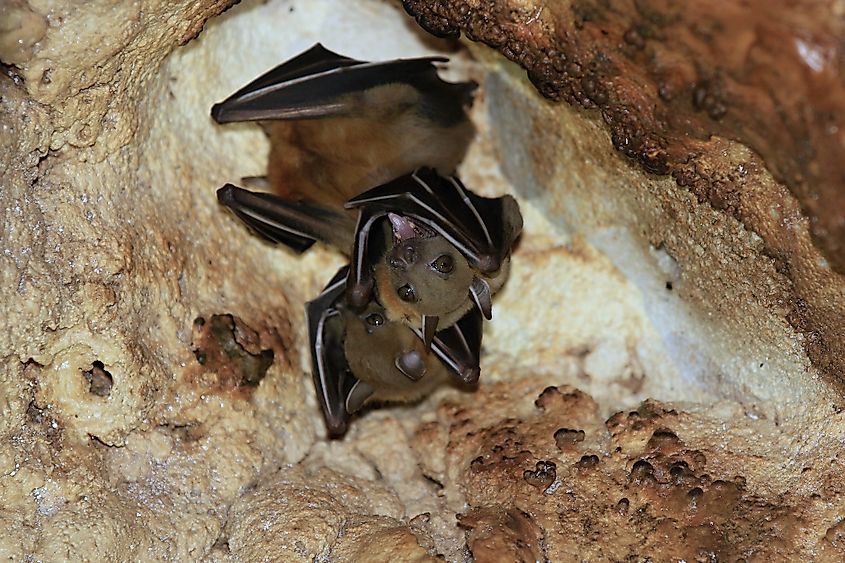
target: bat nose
402 257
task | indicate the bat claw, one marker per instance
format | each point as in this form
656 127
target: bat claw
487 263
470 375
358 295
216 109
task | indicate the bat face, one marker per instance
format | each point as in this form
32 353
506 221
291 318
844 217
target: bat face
359 355
451 248
385 354
430 275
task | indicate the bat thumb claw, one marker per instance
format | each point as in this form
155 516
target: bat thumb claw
226 194
216 111
358 295
471 375
487 263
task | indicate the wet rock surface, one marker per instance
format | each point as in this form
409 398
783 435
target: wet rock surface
659 380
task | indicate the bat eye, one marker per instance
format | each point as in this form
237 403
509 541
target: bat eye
444 264
406 293
374 319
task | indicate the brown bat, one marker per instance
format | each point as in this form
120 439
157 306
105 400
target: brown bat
438 248
360 356
346 126
338 126
342 126
451 249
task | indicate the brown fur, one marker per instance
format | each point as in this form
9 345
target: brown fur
330 161
371 356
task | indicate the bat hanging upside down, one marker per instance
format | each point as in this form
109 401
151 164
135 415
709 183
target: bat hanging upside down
360 356
426 253
338 126
424 246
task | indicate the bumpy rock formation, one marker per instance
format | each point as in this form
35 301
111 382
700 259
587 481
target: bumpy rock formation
674 83
662 379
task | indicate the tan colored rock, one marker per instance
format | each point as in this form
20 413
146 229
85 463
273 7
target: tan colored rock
155 401
308 515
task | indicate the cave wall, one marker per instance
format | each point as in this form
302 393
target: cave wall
675 84
129 431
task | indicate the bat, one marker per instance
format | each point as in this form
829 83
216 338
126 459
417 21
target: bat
359 356
339 126
438 248
450 249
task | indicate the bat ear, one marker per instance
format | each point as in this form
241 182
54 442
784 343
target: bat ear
403 228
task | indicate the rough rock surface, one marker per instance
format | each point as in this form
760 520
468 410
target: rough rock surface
673 83
668 76
154 392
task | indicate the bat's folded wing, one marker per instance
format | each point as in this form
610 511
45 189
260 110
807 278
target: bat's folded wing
333 380
482 229
318 83
296 224
459 347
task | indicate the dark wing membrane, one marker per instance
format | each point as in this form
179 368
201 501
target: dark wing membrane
333 381
296 224
459 347
317 83
313 61
241 106
360 282
483 229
